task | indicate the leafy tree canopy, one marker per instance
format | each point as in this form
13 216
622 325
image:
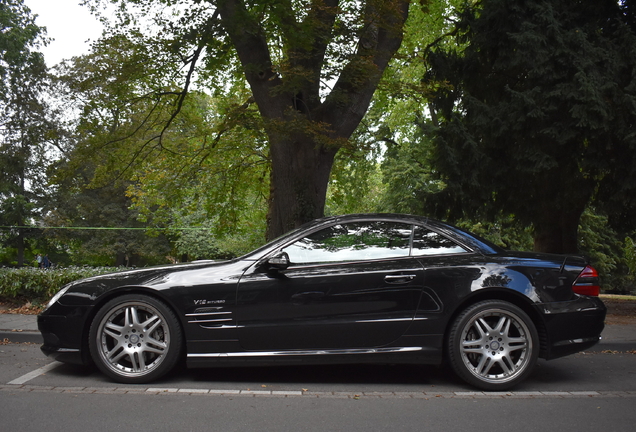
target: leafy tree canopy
538 115
209 169
24 120
311 68
20 37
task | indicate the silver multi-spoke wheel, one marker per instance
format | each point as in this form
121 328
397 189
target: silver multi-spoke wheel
135 339
493 345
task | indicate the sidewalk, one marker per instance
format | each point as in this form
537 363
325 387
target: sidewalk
19 328
24 328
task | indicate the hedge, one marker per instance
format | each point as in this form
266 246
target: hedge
34 283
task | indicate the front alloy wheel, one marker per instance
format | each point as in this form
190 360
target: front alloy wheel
493 345
135 339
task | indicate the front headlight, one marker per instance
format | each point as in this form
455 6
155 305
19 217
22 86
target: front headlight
57 296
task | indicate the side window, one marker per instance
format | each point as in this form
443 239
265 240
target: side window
427 242
352 242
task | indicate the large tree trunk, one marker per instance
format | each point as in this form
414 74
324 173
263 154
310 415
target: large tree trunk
560 200
557 232
298 183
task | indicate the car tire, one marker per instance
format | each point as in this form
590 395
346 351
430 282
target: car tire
493 345
135 339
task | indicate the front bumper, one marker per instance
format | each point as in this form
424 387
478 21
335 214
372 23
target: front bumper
571 326
64 332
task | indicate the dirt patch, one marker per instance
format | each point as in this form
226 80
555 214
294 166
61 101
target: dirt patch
620 307
620 320
620 311
24 308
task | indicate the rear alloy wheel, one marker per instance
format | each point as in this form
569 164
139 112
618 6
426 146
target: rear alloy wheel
135 339
493 345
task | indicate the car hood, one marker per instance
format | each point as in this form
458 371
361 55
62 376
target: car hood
148 277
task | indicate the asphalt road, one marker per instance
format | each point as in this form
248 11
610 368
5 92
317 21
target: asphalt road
595 390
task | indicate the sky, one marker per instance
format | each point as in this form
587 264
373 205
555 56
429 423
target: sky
69 24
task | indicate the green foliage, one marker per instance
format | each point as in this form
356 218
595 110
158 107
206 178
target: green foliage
205 166
98 227
26 125
539 99
216 178
311 68
207 241
401 101
220 165
18 38
407 171
506 232
396 125
355 185
38 284
602 244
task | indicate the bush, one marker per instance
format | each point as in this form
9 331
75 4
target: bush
39 284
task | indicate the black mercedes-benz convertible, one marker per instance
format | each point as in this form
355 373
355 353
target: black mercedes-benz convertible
378 288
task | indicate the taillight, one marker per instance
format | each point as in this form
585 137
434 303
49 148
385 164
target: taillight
587 282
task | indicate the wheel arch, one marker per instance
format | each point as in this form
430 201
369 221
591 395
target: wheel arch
86 356
502 294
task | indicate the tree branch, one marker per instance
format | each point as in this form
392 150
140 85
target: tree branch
350 98
250 42
307 50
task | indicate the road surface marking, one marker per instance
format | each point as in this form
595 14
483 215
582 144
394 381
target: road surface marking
36 373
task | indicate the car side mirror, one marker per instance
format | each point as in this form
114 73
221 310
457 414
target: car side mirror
279 261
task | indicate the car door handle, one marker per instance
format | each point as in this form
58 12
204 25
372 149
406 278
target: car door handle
399 279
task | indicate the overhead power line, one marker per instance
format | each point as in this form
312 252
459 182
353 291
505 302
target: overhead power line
103 228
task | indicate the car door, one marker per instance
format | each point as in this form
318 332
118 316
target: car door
348 285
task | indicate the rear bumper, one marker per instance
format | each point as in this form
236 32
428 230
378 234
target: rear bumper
571 326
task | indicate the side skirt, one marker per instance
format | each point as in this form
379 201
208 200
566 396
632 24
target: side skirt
420 355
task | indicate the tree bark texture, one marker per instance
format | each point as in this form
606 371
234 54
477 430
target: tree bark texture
298 183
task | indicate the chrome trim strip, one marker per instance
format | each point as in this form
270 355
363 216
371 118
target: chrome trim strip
209 321
207 313
306 352
221 327
391 320
302 266
578 341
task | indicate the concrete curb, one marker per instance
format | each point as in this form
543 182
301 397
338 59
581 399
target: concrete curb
153 391
21 336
